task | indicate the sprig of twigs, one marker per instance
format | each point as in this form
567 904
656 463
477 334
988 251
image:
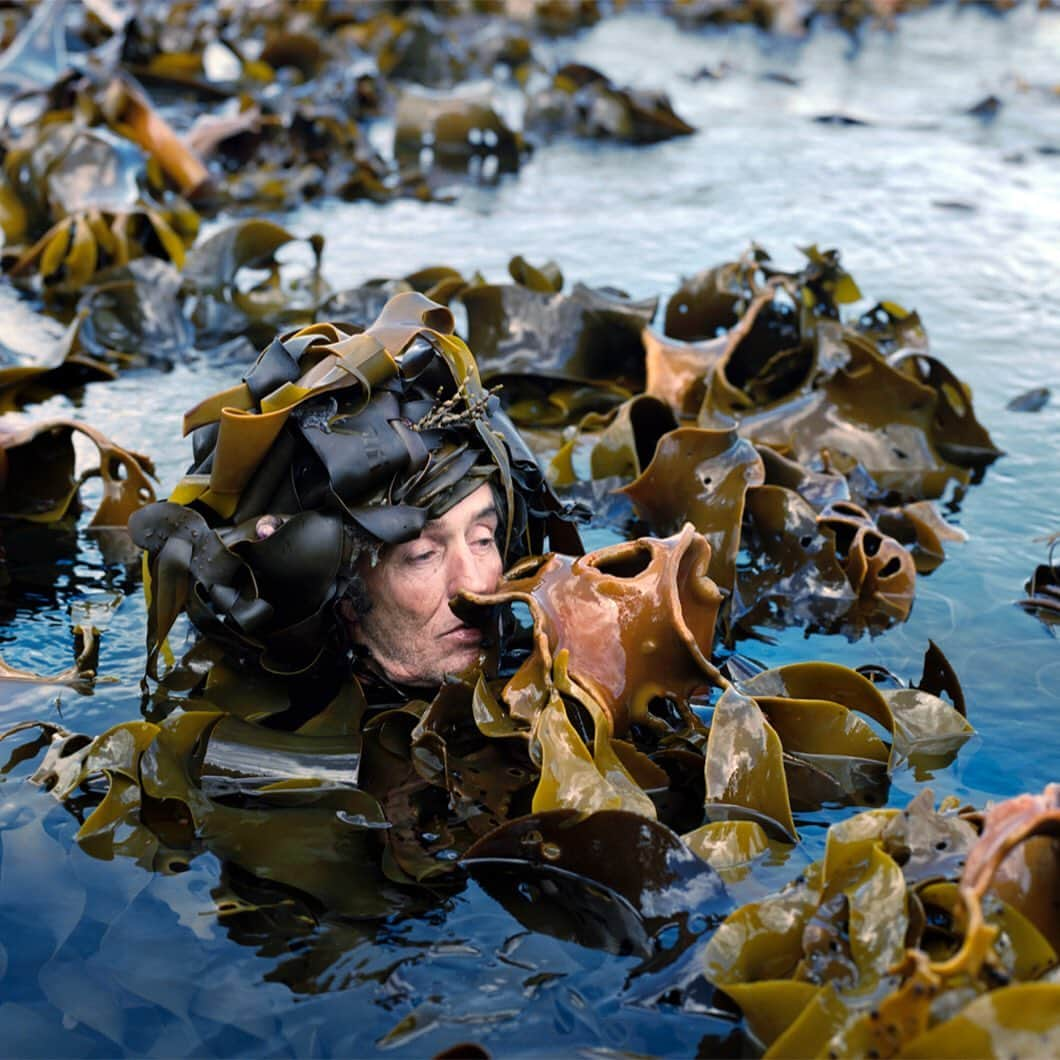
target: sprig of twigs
457 410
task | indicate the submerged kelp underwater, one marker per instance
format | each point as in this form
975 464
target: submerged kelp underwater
188 916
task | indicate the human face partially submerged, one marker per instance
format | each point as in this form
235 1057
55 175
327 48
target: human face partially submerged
409 630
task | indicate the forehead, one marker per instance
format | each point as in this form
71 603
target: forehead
477 507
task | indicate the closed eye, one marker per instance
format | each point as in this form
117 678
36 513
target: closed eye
420 558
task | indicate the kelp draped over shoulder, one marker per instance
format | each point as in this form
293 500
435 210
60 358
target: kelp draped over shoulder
333 438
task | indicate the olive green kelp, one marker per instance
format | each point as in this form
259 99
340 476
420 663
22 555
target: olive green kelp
616 708
333 440
39 482
919 934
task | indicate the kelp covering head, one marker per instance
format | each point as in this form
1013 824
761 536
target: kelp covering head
334 439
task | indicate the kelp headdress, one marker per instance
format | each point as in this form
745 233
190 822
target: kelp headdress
332 438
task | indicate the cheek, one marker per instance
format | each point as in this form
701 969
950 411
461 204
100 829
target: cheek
416 594
494 570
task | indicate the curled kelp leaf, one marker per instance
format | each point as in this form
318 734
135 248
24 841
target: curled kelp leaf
927 729
795 575
924 729
840 925
589 334
786 358
744 767
39 480
819 967
877 567
957 434
741 853
626 446
541 405
711 302
584 102
280 295
921 525
818 488
636 618
675 371
447 751
546 278
701 476
865 413
892 328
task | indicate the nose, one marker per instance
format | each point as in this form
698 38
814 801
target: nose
478 573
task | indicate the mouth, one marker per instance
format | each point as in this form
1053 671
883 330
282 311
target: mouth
462 634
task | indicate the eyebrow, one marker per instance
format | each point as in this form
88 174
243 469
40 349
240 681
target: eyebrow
487 513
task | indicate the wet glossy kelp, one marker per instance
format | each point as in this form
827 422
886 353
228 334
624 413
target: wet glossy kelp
617 729
95 175
920 933
815 447
1043 588
600 716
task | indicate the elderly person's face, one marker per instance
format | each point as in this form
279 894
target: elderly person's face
409 630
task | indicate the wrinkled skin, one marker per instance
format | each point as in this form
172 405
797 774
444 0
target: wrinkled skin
410 630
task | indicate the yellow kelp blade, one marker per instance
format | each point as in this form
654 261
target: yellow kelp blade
744 764
569 777
771 1007
1015 1021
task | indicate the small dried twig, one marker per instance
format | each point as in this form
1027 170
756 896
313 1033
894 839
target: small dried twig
449 413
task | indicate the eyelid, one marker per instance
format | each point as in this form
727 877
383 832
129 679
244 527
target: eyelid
419 557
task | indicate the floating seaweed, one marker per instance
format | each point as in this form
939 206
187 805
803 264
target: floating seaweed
612 712
583 101
875 950
39 482
846 431
1043 588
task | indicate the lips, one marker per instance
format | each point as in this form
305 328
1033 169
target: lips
463 635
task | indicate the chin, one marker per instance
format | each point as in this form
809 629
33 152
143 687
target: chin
461 660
